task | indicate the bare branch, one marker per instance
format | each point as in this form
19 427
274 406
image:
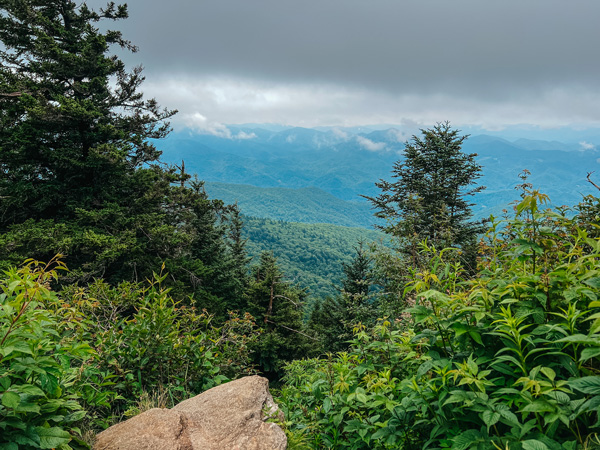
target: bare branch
590 180
291 329
287 298
12 94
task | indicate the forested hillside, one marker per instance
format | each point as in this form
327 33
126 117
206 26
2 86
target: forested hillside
308 205
346 165
310 255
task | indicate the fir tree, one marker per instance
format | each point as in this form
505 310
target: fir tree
333 318
277 307
67 134
428 200
80 174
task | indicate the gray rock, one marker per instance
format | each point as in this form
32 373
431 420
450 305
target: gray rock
232 416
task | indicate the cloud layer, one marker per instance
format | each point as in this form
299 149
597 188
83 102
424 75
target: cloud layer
340 62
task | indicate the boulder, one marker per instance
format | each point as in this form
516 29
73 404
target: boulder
232 416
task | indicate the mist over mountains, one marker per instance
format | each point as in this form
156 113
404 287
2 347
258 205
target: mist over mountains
322 171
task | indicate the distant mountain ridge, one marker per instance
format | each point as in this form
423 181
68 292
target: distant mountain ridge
346 163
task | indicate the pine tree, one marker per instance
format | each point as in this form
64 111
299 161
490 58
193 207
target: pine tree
333 318
428 200
277 307
357 284
79 173
358 273
66 133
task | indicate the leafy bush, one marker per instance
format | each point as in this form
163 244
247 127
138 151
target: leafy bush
344 400
39 405
87 357
507 359
146 343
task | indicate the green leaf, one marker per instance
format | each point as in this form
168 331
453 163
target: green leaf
538 406
31 390
589 353
52 437
27 406
534 444
337 419
571 445
31 439
459 328
11 399
382 432
593 404
509 417
466 440
9 446
580 339
21 347
587 385
490 418
593 282
476 337
550 374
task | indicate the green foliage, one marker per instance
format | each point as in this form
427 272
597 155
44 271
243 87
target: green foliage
80 172
277 306
86 357
305 205
312 254
428 200
145 342
508 359
39 369
332 319
74 127
329 323
352 399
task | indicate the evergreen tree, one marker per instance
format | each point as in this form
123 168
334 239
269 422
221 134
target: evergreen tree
79 174
277 307
333 318
329 322
428 200
357 285
236 241
67 133
358 273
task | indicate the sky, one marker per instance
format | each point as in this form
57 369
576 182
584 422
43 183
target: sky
490 64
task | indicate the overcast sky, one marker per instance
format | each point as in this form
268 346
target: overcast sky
350 62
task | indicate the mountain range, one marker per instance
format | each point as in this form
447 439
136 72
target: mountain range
319 175
300 189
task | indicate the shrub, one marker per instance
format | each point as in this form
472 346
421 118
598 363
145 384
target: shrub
39 405
509 359
146 343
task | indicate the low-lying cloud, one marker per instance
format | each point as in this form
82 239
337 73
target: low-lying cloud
370 145
199 123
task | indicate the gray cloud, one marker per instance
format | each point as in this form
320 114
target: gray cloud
535 61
